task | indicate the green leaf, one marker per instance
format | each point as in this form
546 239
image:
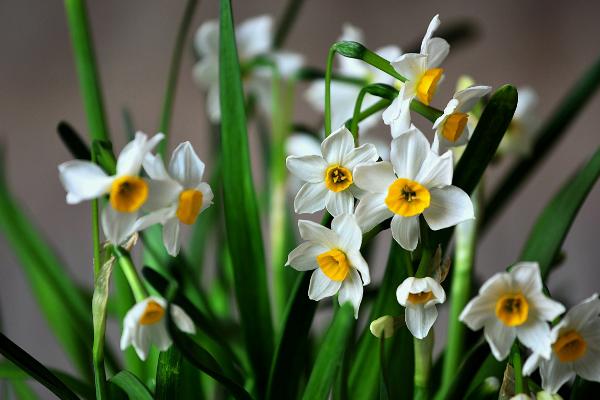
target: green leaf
35 369
285 23
23 391
553 224
241 210
73 141
105 157
331 352
547 137
131 385
175 377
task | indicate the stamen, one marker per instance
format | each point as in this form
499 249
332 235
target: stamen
512 309
128 193
334 264
152 314
407 198
190 203
338 178
570 346
427 85
454 126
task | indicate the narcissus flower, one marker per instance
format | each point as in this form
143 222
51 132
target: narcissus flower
452 128
334 255
145 324
329 177
511 305
84 180
419 296
176 195
575 348
422 74
254 37
416 182
520 133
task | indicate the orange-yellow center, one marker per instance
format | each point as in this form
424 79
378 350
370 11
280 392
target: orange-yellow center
190 204
454 126
512 309
570 346
128 193
334 264
428 83
152 313
420 298
407 198
338 178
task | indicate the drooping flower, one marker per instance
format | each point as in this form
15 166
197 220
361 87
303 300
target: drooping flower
422 74
519 136
575 348
84 180
511 305
329 176
416 182
334 257
176 195
452 128
419 296
254 37
145 325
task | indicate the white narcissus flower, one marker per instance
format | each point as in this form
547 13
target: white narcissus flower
84 180
416 181
145 324
329 176
452 128
419 296
176 195
512 305
422 74
519 136
254 37
334 255
343 94
575 348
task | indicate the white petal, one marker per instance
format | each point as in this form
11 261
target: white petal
337 145
441 145
372 210
584 312
213 103
405 231
535 334
468 97
392 112
206 39
408 153
401 123
321 286
449 206
207 195
182 320
304 257
478 311
161 194
545 308
437 51
317 233
171 236
588 367
351 291
185 166
254 36
420 319
83 180
160 216
132 156
499 337
206 72
348 231
375 177
159 335
436 171
311 197
555 374
526 276
287 63
308 168
339 203
410 65
434 24
117 226
302 145
531 364
366 153
155 167
358 262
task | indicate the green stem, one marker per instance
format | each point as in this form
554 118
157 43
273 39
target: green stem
382 64
330 56
135 283
423 357
356 114
517 364
167 108
85 61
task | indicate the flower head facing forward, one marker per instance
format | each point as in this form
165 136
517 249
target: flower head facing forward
84 180
145 324
416 182
512 305
575 348
334 257
420 296
329 177
177 194
422 74
451 128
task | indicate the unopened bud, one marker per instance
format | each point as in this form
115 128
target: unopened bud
350 49
383 327
547 396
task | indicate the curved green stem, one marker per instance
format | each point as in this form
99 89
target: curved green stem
330 56
423 360
135 283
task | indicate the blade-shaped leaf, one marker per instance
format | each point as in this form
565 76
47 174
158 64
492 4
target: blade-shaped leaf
131 385
176 378
74 143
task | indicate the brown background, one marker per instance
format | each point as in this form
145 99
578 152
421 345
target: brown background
544 44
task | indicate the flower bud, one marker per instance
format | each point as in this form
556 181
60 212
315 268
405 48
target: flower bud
383 327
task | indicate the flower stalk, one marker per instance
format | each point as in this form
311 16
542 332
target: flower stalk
517 364
328 71
423 361
135 283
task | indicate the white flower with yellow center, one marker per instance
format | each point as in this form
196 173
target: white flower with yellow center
254 37
334 255
145 325
176 195
422 74
452 128
329 177
511 305
419 296
575 348
519 136
84 180
416 182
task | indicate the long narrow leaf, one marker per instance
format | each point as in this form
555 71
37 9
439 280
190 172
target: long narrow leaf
73 141
131 385
175 377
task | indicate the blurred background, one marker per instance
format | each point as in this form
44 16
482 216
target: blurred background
544 45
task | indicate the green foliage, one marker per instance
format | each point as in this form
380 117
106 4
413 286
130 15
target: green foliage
131 385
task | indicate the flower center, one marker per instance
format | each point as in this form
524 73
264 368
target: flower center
512 309
427 85
420 298
128 193
407 198
454 126
190 203
338 178
334 264
570 346
152 314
